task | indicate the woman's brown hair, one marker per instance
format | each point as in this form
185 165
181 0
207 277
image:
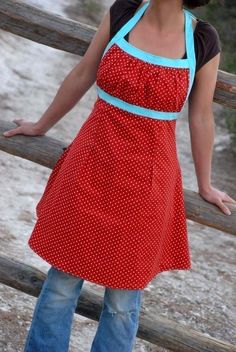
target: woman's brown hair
191 4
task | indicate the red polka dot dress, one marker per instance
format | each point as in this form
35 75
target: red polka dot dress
112 211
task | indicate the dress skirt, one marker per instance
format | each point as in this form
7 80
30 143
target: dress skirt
112 211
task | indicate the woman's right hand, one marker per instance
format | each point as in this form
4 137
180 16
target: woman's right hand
24 127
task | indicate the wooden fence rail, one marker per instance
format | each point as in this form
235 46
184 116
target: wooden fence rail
45 151
65 34
159 331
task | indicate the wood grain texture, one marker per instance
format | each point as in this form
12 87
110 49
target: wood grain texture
45 27
159 331
58 32
46 150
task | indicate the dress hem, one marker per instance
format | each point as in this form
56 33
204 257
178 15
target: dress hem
104 283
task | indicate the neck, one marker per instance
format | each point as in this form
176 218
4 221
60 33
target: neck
165 14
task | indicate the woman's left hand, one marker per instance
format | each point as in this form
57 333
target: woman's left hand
217 197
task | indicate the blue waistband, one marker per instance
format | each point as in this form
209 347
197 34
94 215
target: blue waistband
135 109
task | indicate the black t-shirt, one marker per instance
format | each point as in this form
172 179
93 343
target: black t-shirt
206 38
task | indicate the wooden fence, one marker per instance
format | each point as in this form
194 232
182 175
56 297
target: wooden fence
74 37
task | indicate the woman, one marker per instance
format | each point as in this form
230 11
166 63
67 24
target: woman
113 208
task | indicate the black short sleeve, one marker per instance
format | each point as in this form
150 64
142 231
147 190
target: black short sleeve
206 39
120 12
207 43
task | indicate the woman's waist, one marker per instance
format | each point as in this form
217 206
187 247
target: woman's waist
145 104
122 131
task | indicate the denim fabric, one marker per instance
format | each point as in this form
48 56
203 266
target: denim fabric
53 315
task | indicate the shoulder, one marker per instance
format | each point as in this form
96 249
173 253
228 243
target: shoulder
205 32
207 42
120 12
125 4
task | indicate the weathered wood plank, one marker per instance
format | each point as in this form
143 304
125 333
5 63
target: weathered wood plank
46 150
45 27
72 36
225 91
203 212
43 150
162 332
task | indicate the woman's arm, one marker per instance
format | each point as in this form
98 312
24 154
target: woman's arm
73 87
202 132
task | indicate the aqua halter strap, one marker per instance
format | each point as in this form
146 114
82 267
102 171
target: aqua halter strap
190 48
127 27
189 62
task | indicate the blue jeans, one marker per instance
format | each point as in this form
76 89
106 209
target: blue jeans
53 314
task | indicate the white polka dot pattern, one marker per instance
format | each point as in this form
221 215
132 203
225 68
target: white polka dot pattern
112 211
137 82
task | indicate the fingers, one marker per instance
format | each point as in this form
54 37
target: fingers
223 207
229 199
12 132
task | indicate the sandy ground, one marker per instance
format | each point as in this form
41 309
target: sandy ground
202 298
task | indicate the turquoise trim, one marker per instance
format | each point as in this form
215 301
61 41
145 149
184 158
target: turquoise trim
189 62
127 27
148 57
135 109
189 13
190 50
